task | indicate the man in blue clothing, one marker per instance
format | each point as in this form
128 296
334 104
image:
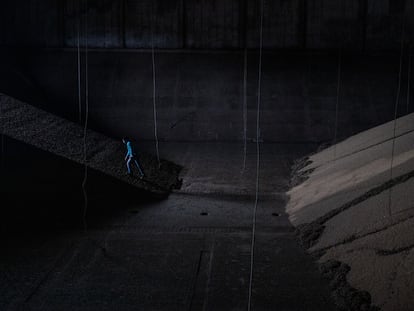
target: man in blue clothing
130 156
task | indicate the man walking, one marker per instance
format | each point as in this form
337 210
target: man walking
130 156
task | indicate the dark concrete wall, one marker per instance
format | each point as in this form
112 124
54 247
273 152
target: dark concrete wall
200 66
207 24
199 95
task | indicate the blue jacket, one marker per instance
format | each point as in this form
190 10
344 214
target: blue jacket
130 152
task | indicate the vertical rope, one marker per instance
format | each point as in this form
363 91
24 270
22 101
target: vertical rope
396 115
259 90
154 88
85 178
2 135
338 91
409 79
79 66
244 108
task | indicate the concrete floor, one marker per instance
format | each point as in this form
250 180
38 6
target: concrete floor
189 252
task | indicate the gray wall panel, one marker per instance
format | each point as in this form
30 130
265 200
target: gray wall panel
153 19
282 24
31 23
104 23
334 24
199 95
213 23
208 24
385 20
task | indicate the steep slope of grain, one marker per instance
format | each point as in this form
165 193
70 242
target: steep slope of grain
353 209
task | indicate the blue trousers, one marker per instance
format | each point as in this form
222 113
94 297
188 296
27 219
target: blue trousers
136 163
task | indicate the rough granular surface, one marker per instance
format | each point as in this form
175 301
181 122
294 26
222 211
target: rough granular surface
61 137
352 206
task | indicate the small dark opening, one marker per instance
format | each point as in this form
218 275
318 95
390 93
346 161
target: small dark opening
275 214
204 214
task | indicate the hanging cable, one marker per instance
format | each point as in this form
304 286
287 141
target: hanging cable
396 114
154 88
259 90
85 178
245 71
338 91
244 108
2 135
79 66
409 79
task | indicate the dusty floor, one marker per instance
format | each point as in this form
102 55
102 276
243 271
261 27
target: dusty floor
188 252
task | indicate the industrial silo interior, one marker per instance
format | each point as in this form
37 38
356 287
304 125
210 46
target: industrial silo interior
214 155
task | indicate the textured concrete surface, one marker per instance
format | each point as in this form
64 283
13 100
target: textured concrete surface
350 209
212 24
200 94
189 252
66 139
